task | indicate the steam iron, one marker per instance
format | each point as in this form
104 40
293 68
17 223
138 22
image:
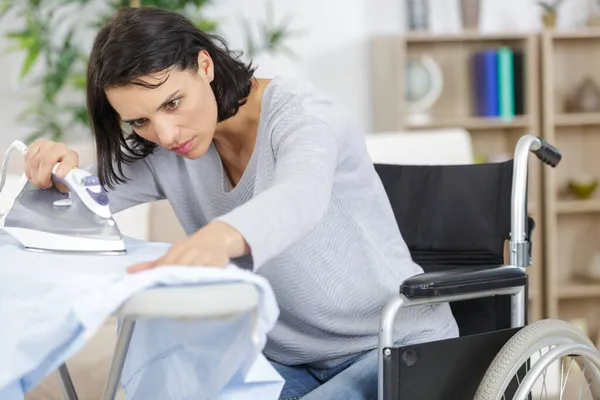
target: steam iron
77 222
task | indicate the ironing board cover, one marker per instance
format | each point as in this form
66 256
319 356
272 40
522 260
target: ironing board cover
52 304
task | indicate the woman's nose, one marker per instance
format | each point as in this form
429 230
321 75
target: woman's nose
167 133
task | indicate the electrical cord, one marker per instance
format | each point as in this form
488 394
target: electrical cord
16 145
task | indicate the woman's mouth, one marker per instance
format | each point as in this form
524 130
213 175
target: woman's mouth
184 148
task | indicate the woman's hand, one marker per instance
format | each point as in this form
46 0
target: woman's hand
211 246
41 157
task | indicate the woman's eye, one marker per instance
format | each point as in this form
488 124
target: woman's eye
173 104
138 123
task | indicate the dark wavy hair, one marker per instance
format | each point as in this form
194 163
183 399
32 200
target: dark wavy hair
141 41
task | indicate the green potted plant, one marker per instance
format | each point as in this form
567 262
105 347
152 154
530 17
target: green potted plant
550 10
57 109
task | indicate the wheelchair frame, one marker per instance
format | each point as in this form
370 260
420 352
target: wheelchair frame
519 258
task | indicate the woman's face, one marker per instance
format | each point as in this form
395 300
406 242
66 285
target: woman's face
180 115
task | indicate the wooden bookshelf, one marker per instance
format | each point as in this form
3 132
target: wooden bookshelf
475 123
576 119
577 206
468 36
578 290
454 109
575 35
572 226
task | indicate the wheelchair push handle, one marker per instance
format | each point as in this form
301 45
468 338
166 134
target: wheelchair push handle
548 153
519 255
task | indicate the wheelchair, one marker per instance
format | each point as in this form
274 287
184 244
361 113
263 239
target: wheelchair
456 221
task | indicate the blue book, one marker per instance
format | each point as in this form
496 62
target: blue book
485 72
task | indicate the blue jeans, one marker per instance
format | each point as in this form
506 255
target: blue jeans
356 379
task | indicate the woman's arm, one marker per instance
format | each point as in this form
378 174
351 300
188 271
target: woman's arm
141 187
283 214
298 198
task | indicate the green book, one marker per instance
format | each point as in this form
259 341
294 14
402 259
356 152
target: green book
506 100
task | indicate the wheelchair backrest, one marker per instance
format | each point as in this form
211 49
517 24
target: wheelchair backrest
451 215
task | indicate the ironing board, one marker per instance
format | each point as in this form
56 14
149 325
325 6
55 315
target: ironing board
171 319
195 303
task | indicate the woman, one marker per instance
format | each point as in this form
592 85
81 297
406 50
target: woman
269 174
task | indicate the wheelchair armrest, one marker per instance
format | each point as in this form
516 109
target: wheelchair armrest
462 281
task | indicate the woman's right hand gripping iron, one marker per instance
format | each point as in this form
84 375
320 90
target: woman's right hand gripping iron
41 158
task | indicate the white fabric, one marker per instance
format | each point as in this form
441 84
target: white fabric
425 147
51 304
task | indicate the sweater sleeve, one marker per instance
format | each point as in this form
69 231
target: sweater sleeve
299 195
141 187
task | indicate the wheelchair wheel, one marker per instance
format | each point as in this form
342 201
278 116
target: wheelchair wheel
543 350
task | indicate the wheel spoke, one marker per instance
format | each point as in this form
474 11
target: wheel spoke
562 389
542 345
588 386
544 385
584 365
562 372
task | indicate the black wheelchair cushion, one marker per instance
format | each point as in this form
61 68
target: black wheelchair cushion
462 281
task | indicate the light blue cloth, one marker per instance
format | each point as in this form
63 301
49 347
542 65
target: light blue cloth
51 305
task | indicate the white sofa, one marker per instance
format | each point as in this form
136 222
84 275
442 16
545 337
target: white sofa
425 147
157 222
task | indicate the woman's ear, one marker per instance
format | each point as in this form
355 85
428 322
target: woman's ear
205 66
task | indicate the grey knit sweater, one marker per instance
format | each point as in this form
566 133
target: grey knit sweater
317 220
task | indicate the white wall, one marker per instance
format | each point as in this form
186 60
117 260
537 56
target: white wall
332 49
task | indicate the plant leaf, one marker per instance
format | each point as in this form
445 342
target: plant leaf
78 81
56 132
5 6
30 111
206 25
66 64
24 39
79 114
60 69
31 58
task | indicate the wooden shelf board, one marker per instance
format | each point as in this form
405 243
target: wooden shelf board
475 36
577 206
533 295
577 119
577 290
475 123
588 33
532 208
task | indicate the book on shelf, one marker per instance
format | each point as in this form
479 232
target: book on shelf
498 83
